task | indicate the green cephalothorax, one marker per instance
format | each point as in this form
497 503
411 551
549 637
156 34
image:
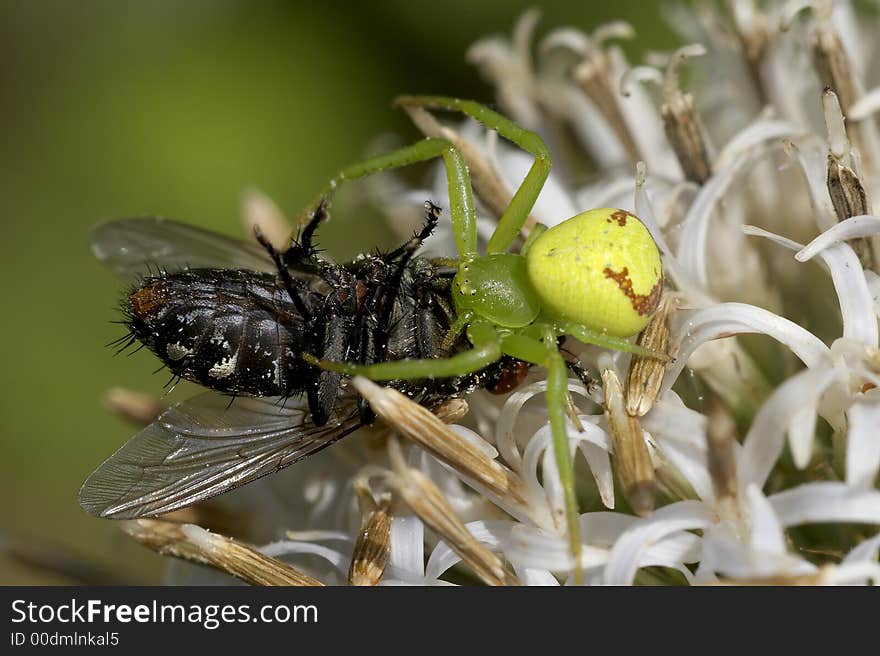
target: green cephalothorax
496 287
595 277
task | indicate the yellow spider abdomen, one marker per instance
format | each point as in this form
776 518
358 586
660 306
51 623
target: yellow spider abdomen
601 269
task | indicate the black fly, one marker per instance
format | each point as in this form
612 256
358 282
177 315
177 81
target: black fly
237 319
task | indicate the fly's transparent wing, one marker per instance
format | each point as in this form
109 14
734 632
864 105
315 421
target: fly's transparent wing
132 247
200 448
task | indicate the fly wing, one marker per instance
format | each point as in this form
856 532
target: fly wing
132 247
200 448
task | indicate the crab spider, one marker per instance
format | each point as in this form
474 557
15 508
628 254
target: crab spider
596 277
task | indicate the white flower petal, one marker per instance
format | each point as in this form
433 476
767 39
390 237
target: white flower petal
335 557
767 534
533 548
754 135
614 190
865 552
764 441
865 106
873 281
864 225
856 303
626 556
603 528
600 466
539 577
852 574
811 155
539 445
588 124
639 75
408 545
725 319
692 250
505 428
550 476
537 549
569 38
863 448
691 462
824 502
670 419
643 120
725 554
318 535
801 431
489 533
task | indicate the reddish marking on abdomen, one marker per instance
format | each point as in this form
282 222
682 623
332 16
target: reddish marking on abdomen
146 299
510 378
620 216
642 303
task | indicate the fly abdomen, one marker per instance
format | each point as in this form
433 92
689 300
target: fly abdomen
232 331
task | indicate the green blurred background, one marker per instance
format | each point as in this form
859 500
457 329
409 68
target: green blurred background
120 108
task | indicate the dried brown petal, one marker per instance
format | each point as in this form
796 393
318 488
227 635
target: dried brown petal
836 73
632 459
373 546
646 374
425 429
845 186
682 124
684 130
424 498
192 542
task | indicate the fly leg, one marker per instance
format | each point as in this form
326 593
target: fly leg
284 274
404 252
323 388
461 200
381 306
302 253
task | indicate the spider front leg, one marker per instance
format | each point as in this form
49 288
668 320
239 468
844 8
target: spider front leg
514 217
461 200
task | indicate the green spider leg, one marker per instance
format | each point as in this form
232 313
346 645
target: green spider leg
461 200
488 346
589 336
514 217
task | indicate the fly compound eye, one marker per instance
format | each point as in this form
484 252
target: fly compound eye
601 269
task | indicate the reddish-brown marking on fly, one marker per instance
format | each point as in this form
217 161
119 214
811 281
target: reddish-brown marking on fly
642 303
360 294
620 216
510 378
146 299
